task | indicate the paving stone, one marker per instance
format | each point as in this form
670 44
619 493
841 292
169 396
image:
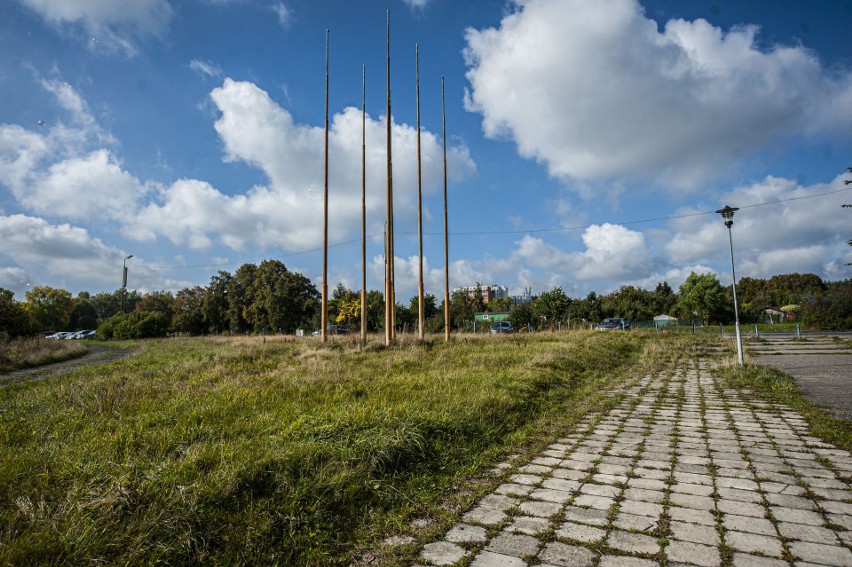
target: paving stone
539 508
498 502
696 533
746 560
592 501
465 533
831 493
512 489
796 516
602 478
627 521
693 554
738 483
485 516
621 561
600 490
788 501
546 461
614 470
564 555
633 543
535 469
516 545
529 525
526 479
741 508
694 489
835 507
647 484
580 532
692 501
692 478
754 543
568 474
740 495
644 495
561 484
840 520
489 559
804 532
548 495
642 471
693 516
586 516
641 508
822 554
748 524
442 553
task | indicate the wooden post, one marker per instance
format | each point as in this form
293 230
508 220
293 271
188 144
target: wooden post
421 322
446 233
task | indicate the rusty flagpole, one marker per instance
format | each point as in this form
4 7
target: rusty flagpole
421 323
324 320
390 299
446 233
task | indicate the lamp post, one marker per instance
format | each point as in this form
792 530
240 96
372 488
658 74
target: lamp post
124 282
728 214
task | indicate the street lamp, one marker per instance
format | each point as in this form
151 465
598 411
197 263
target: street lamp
728 214
124 282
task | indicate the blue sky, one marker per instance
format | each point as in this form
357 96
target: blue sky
190 135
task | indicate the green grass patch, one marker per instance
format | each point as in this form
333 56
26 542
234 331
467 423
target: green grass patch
277 451
16 354
779 387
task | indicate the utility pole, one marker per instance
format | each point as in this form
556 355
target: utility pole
364 204
446 234
390 299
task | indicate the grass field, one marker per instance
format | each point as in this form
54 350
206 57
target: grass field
28 352
278 451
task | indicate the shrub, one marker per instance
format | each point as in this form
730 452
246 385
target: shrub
138 325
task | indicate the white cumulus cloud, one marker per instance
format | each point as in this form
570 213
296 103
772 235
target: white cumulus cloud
594 90
116 26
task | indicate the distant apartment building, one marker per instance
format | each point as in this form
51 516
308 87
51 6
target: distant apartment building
489 292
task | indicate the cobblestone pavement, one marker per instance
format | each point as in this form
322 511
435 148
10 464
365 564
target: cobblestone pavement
682 472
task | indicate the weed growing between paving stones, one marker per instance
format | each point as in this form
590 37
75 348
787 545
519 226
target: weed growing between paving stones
781 388
253 450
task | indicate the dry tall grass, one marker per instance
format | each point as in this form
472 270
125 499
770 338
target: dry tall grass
35 351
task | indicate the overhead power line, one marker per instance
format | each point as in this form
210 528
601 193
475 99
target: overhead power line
509 232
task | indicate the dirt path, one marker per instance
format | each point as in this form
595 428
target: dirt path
96 355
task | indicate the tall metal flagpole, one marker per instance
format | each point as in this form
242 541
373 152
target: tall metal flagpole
421 323
390 299
364 203
446 239
325 210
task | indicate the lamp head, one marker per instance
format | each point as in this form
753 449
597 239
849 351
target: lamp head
728 214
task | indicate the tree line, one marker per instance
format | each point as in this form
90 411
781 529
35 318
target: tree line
267 298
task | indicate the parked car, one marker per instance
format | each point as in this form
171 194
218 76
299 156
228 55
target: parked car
59 335
613 324
333 330
502 327
89 334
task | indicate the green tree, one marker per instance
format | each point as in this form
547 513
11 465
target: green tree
375 311
664 299
188 311
551 306
461 310
631 303
84 316
701 296
14 320
214 306
282 301
499 304
348 308
240 296
588 308
49 308
521 315
158 301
